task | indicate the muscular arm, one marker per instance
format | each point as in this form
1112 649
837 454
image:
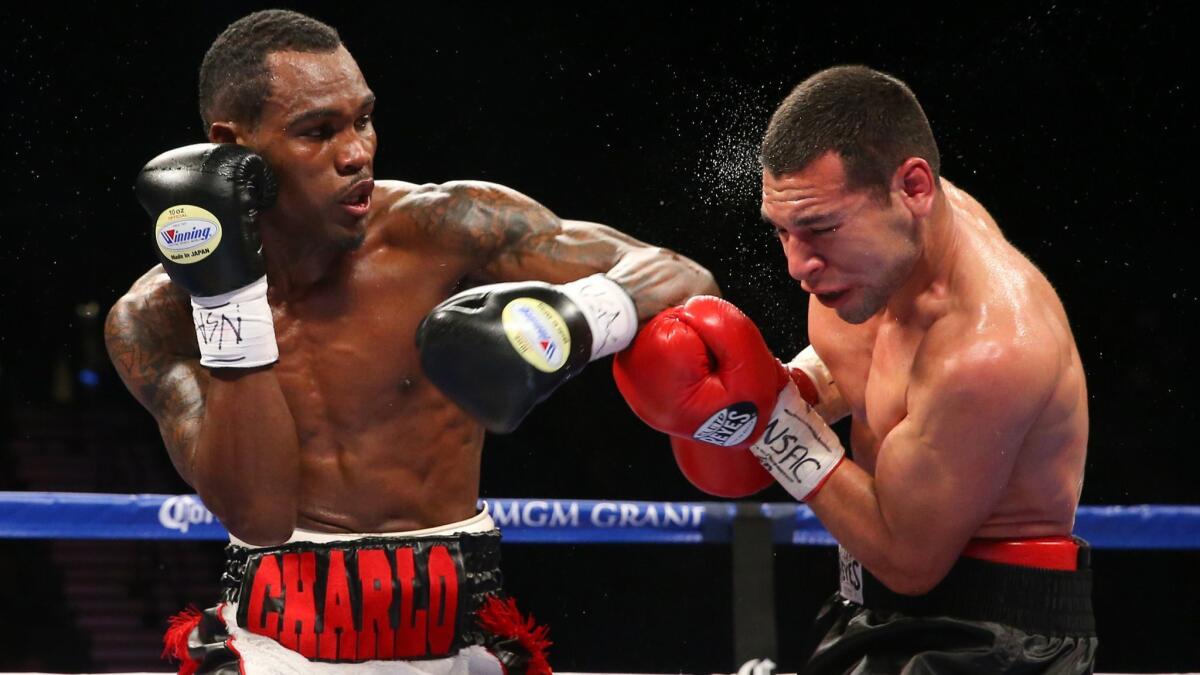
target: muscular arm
940 472
229 434
513 238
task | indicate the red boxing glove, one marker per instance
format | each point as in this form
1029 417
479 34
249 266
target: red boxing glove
730 473
721 472
702 372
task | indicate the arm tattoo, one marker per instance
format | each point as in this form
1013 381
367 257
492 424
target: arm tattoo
506 236
149 339
494 223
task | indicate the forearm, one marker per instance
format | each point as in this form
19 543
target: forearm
658 278
904 558
245 463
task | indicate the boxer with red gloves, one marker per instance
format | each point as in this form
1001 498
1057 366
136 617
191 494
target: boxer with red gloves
967 397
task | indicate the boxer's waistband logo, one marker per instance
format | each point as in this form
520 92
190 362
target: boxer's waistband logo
186 234
383 601
728 426
850 576
537 332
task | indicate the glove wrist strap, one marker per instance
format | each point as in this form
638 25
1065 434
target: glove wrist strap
797 448
610 313
831 406
235 329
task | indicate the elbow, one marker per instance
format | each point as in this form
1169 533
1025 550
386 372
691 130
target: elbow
699 280
708 284
912 575
258 531
910 583
256 522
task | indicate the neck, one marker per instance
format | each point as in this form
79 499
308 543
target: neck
296 263
935 263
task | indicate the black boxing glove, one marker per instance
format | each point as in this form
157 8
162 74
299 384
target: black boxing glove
205 199
499 350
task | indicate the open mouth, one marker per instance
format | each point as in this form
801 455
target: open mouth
358 200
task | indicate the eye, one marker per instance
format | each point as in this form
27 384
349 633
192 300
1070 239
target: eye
321 132
364 122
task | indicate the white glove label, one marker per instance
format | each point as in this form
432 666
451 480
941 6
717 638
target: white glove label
235 330
186 234
537 332
797 448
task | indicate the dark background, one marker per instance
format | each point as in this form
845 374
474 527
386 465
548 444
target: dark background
1075 127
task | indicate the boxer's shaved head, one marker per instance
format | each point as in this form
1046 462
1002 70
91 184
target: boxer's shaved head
234 77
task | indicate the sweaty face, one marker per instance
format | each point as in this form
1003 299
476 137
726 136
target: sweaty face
316 131
848 248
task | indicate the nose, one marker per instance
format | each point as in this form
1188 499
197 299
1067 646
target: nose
803 262
355 154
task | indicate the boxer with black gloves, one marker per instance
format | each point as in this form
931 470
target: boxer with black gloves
297 404
955 360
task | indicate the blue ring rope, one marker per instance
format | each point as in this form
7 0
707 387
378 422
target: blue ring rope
74 515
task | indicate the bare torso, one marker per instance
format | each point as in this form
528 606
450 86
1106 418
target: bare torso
380 448
359 440
993 294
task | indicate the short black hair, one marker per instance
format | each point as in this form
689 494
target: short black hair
234 80
871 119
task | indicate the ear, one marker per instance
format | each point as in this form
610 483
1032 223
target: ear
916 186
225 132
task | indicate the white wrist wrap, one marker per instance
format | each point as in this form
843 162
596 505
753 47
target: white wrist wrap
610 312
797 448
830 404
235 329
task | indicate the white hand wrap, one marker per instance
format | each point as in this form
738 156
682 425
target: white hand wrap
830 404
235 329
610 312
798 448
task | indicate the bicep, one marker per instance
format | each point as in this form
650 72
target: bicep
506 236
656 278
942 470
520 239
560 251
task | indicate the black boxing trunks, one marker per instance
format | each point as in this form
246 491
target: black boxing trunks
363 604
1007 606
